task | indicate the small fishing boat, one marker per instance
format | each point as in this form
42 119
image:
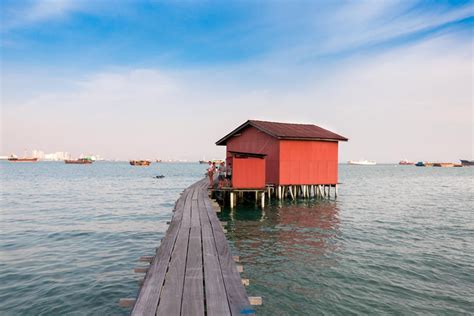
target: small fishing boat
140 162
420 164
467 162
405 162
80 161
362 162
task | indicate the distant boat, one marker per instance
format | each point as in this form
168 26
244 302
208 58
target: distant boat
216 161
140 162
405 162
467 162
362 162
80 161
443 164
24 159
420 164
158 160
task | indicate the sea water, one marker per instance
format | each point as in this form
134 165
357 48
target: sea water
398 239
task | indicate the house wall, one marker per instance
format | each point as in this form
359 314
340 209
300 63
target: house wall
248 173
308 162
252 140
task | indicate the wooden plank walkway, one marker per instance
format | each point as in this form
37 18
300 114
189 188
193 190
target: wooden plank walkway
193 272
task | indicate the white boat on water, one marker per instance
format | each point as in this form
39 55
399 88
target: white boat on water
362 162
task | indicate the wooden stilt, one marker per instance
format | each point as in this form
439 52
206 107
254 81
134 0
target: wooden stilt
232 197
263 199
335 191
291 192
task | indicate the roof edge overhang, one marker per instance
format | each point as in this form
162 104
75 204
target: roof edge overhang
223 140
315 138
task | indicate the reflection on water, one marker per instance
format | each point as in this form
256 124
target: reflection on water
284 247
307 228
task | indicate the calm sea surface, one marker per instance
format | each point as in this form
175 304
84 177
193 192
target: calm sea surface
398 240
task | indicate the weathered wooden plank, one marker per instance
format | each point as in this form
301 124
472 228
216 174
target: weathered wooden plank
236 295
193 296
195 221
216 297
147 301
171 296
186 219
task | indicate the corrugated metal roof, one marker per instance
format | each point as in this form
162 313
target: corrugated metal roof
287 131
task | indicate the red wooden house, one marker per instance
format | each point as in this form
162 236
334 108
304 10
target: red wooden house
287 154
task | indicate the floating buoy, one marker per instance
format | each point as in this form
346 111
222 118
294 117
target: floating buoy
160 177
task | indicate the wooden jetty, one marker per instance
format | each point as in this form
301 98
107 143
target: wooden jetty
193 271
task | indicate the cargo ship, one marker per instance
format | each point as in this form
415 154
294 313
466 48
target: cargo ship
24 159
362 162
140 162
80 161
437 164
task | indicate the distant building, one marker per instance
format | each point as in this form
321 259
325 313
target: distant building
57 156
38 154
274 153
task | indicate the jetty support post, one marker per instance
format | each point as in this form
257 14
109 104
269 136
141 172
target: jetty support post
232 198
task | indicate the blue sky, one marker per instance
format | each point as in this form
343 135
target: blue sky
332 63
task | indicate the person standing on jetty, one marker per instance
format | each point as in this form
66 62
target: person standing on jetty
221 176
210 172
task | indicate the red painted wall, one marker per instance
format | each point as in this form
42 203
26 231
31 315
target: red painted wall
251 140
308 162
290 161
248 173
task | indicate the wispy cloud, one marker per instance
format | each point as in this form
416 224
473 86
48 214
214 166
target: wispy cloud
362 25
28 13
